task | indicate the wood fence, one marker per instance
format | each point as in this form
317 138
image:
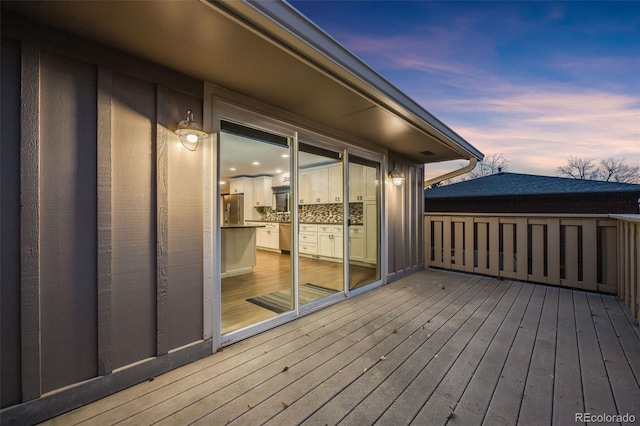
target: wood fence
591 252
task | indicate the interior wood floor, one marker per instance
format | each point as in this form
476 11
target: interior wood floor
273 273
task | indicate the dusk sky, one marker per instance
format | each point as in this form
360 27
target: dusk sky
536 81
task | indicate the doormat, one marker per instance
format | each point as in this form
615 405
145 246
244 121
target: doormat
280 301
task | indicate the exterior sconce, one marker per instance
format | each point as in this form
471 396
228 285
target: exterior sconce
190 134
396 177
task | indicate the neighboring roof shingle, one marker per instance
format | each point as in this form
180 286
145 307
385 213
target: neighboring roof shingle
510 184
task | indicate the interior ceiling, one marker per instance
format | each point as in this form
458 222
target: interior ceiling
238 156
203 42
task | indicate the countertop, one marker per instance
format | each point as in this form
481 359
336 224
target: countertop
305 223
241 226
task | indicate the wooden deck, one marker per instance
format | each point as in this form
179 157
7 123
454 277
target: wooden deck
434 348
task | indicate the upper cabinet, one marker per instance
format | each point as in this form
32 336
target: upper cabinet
370 184
236 186
262 193
356 182
304 189
363 183
319 185
335 183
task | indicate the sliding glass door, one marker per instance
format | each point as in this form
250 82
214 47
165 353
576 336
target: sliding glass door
256 272
281 255
364 222
321 223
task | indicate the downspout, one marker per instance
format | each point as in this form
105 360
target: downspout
472 163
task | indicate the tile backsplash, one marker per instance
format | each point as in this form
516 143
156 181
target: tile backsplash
317 213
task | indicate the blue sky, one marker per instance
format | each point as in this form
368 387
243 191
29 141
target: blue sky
536 81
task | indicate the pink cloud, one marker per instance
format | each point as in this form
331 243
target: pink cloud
537 130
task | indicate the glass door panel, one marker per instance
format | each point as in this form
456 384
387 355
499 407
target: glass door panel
321 216
254 259
364 222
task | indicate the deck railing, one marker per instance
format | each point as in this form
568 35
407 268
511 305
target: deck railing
592 252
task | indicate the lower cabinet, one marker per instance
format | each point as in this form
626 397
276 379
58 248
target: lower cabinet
308 239
356 241
267 237
330 241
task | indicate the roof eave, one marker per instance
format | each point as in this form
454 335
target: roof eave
282 22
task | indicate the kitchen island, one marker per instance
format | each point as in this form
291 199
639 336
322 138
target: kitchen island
238 245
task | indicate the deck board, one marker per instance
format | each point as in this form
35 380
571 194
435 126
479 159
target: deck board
301 363
507 398
629 340
567 390
621 379
475 400
438 356
442 404
359 361
598 396
406 346
537 403
458 349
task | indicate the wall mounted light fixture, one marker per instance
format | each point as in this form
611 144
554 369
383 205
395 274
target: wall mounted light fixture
190 134
396 177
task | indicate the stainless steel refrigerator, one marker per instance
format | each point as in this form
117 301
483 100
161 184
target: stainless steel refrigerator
233 209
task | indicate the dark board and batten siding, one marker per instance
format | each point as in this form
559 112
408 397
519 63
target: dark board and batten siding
10 354
133 220
68 229
404 230
102 265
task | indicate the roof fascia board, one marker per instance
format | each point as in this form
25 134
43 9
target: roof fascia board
283 25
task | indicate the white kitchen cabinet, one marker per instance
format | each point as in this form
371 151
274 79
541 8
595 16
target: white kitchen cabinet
370 221
262 193
273 238
356 181
370 184
335 183
308 239
356 241
363 183
330 241
236 186
267 236
319 185
304 188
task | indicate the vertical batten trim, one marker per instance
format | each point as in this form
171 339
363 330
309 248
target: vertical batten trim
209 193
105 342
30 223
162 232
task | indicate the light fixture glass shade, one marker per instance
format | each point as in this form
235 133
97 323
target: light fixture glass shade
396 177
190 134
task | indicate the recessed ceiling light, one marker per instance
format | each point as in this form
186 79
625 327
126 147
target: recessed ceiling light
233 169
285 155
255 163
222 182
278 171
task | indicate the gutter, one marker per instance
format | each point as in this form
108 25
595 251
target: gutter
472 164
